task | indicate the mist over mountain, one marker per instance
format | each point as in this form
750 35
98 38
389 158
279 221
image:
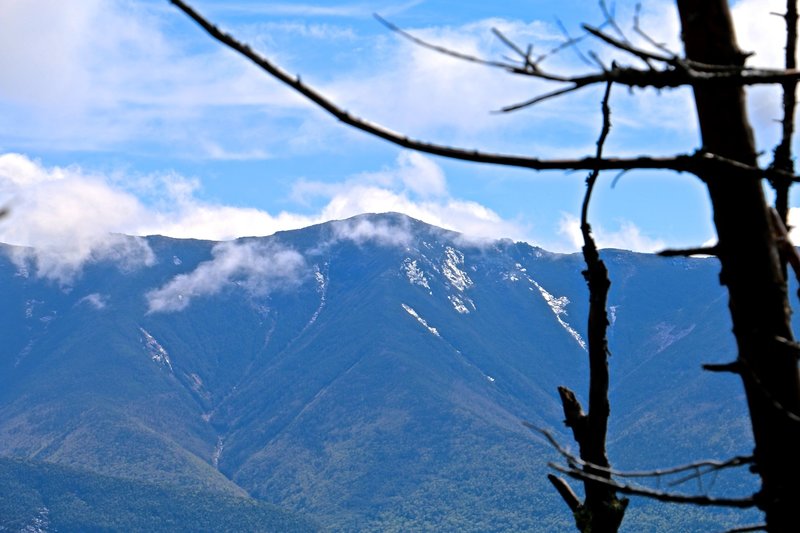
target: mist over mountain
367 374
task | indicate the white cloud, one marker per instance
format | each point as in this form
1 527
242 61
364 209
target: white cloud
67 218
416 187
70 217
363 230
794 225
256 267
627 237
102 73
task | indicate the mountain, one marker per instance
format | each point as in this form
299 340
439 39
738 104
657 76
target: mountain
38 497
369 374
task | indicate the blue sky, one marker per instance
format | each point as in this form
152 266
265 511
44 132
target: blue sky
123 116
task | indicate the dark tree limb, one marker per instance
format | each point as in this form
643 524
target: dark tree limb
688 252
782 155
751 269
566 492
734 367
601 511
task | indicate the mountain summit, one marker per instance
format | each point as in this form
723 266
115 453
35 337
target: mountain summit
371 373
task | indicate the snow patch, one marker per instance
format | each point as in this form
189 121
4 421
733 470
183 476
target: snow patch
23 354
39 523
612 314
450 268
559 308
322 290
414 274
460 304
421 320
665 335
157 352
217 452
29 305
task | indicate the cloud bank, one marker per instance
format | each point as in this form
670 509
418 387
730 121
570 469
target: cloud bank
66 217
258 268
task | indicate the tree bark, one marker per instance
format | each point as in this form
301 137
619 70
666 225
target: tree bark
751 269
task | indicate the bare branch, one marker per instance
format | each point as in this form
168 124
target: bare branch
611 20
525 55
627 47
638 30
782 155
688 252
671 497
453 53
699 163
566 492
569 42
709 465
681 72
789 253
539 99
733 367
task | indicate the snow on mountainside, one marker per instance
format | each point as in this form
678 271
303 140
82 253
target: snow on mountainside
372 372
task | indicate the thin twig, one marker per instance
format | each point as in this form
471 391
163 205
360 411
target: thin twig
671 497
709 464
627 47
569 42
611 19
638 30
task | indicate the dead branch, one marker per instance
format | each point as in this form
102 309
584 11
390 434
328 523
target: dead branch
639 31
733 367
566 492
710 465
603 510
782 155
700 163
788 252
569 42
670 497
627 47
688 252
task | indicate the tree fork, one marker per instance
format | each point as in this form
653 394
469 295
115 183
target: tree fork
751 267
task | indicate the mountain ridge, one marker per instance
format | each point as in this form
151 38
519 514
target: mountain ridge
372 373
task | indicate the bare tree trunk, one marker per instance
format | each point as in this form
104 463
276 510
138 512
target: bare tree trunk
751 269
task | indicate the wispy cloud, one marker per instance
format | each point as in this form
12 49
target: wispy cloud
364 230
627 237
302 9
255 267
